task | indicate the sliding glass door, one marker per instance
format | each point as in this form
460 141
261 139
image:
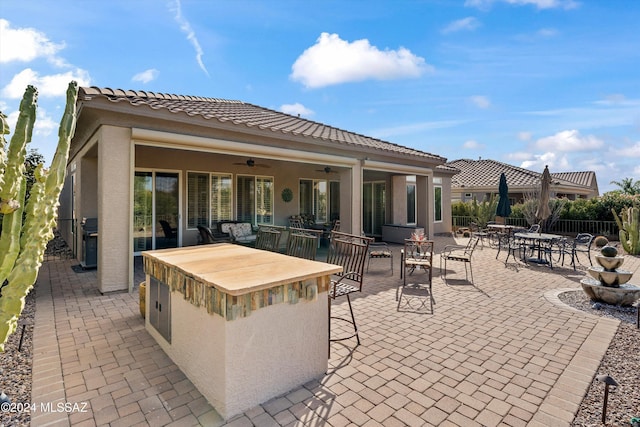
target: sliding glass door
156 212
374 201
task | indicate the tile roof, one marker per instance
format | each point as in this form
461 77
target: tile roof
486 174
249 115
586 178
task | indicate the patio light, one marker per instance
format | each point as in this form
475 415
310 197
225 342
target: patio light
607 380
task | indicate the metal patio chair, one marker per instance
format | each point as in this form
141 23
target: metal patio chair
350 252
268 239
302 245
461 254
417 255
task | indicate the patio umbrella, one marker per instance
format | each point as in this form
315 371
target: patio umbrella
543 211
504 207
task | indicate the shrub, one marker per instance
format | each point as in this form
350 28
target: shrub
600 241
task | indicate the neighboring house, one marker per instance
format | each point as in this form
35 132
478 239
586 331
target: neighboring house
151 167
479 179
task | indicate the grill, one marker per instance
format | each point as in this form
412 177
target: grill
89 242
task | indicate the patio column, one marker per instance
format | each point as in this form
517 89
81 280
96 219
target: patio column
114 209
399 202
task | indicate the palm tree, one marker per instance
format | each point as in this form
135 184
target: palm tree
628 186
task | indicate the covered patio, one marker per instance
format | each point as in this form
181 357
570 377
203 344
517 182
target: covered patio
505 351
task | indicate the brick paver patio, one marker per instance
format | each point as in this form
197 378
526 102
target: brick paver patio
502 352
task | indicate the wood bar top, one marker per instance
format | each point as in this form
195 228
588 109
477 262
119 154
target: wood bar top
237 270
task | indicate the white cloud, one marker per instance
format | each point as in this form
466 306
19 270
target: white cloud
26 44
465 24
48 86
472 145
519 156
569 140
547 32
146 76
540 4
633 151
333 61
296 109
480 101
524 136
176 7
551 159
45 125
613 99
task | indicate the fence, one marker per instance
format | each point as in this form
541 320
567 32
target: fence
566 227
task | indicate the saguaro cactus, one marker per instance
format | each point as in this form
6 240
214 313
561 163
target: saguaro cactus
629 226
26 230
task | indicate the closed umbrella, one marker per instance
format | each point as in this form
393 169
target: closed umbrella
504 207
543 211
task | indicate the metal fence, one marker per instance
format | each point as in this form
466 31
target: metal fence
565 227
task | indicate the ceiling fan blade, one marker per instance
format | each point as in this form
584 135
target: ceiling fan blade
326 170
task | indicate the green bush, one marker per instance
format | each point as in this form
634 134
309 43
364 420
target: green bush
596 209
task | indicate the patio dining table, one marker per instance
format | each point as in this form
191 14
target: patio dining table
537 240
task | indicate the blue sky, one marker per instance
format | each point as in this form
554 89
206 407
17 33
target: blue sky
525 82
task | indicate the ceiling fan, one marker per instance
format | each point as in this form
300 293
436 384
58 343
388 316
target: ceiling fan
326 169
252 164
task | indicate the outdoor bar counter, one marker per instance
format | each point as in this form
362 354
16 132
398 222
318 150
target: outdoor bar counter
244 325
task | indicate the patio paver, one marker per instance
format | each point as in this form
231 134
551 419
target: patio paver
502 352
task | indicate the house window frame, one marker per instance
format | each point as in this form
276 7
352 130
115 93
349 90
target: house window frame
209 198
437 207
415 205
258 181
315 197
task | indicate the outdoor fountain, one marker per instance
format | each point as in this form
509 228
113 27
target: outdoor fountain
608 282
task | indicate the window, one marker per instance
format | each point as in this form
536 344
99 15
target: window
208 198
264 200
411 204
320 198
334 200
437 203
221 205
254 202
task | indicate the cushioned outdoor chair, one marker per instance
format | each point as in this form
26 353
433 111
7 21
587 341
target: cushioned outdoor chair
417 254
206 236
378 250
350 252
461 254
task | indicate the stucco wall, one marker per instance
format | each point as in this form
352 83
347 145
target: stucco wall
241 363
114 209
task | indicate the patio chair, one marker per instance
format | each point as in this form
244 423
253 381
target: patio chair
477 231
556 249
169 232
206 236
295 222
302 245
350 252
417 255
378 250
582 243
511 244
268 239
461 254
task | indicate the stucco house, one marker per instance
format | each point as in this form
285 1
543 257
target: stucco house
140 158
479 179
